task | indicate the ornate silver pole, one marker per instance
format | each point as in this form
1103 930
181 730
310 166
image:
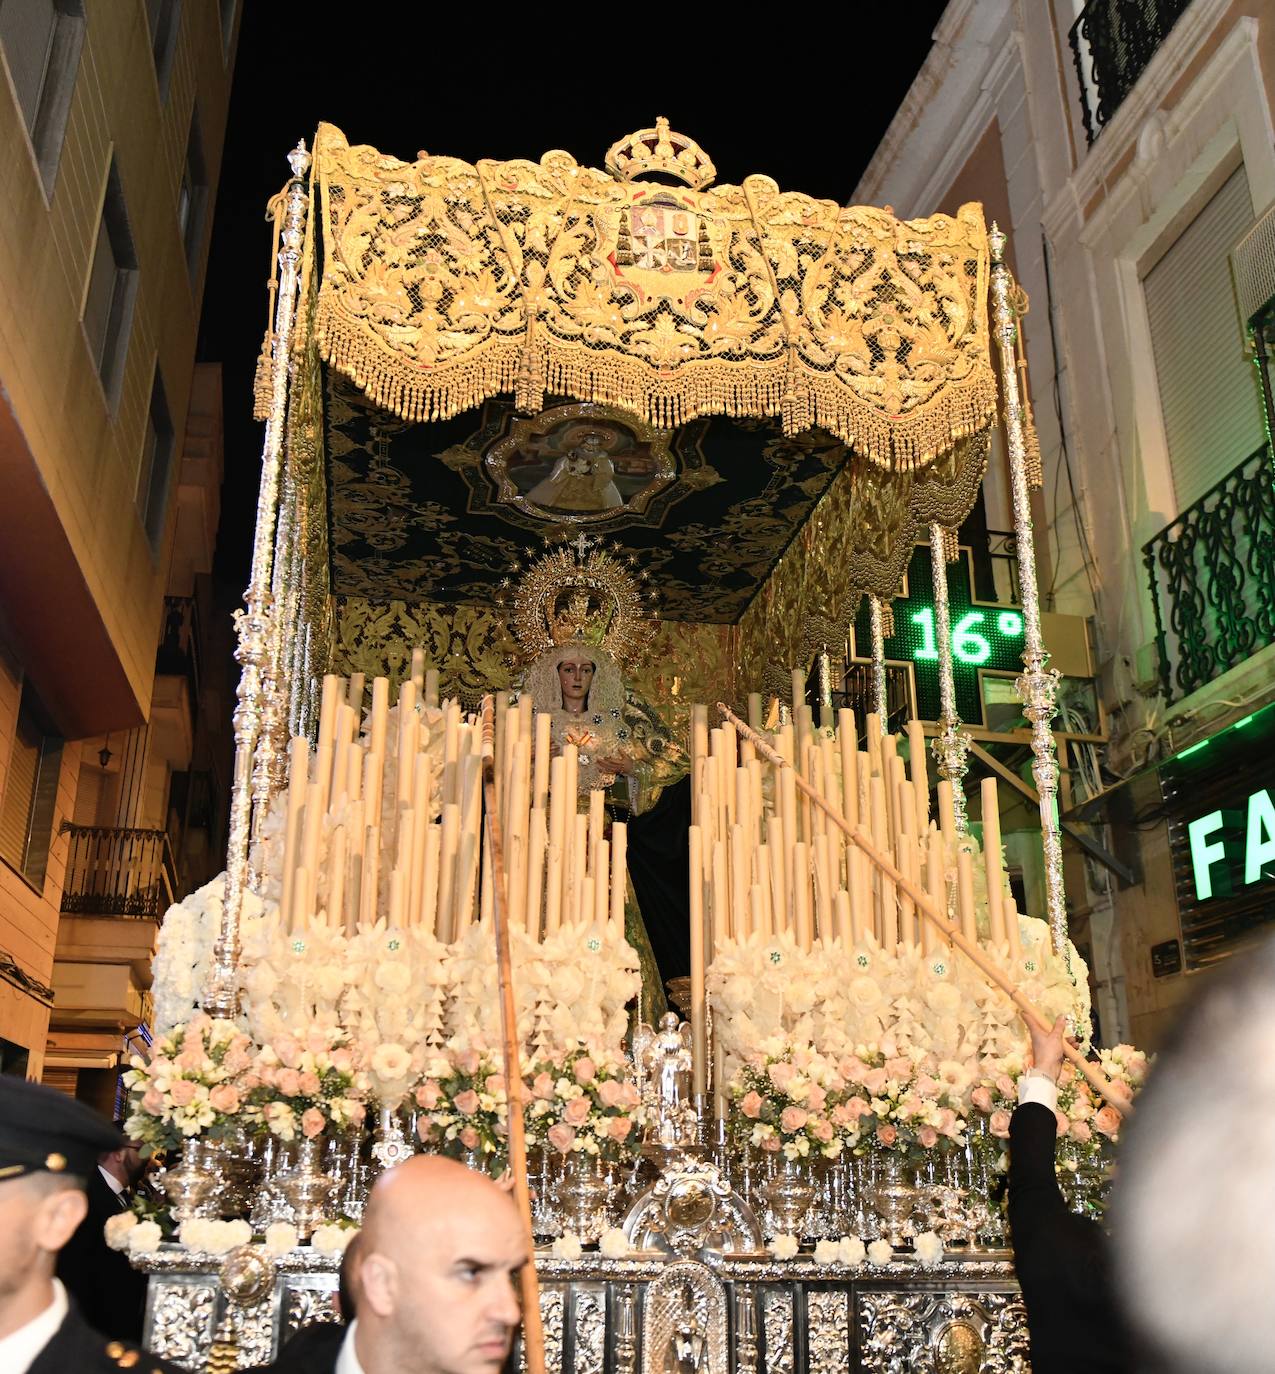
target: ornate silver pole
880 703
951 744
1037 686
221 994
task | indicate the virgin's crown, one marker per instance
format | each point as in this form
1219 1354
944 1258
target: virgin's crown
661 150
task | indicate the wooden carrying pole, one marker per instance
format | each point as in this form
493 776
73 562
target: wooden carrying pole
533 1341
1097 1079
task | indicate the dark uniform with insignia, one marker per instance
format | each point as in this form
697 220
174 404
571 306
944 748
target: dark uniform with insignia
42 1130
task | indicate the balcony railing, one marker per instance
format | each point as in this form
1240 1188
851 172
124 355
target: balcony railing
1212 575
114 872
1118 38
178 652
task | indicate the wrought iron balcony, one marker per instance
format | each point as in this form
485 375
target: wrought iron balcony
178 652
116 872
1212 574
1119 38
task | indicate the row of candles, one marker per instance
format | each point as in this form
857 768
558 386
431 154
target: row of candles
766 863
372 832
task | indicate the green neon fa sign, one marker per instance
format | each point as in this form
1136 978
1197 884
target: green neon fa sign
1215 840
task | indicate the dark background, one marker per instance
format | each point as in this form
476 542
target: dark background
802 98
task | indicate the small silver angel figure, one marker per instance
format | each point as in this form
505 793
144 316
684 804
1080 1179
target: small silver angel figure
663 1058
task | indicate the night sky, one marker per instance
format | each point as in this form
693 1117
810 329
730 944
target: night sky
802 100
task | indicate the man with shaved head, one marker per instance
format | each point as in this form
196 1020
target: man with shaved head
438 1263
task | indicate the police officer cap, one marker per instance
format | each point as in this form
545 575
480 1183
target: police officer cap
42 1129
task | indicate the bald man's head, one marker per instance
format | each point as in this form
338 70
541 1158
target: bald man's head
439 1256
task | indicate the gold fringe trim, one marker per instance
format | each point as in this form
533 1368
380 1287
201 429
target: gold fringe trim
951 545
887 619
536 364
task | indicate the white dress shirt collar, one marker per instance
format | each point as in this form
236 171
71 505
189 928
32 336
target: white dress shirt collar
347 1361
18 1351
112 1182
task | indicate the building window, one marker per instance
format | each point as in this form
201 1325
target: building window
41 40
30 794
192 197
163 18
156 472
108 304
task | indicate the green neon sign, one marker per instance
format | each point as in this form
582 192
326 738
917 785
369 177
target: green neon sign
1243 840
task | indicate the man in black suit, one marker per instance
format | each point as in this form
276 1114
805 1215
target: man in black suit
109 1292
49 1145
1063 1261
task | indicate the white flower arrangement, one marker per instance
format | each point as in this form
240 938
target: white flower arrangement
145 1238
929 1249
567 1247
117 1229
213 1237
280 1237
880 1253
827 1252
785 1247
333 1238
851 1251
614 1244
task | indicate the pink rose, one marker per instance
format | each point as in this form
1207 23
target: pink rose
316 1042
927 1137
999 1125
1107 1120
949 1123
428 1095
426 1130
182 1092
1061 1124
801 1057
466 1103
576 1112
161 1067
542 1086
899 1068
1080 1132
781 1075
750 1105
851 1067
770 1144
153 1102
357 1113
192 1060
469 1138
224 1098
289 1082
585 1069
236 1061
249 1082
618 1127
842 1114
467 1061
817 1098
793 1119
342 1061
629 1095
495 1082
874 1080
1120 1092
288 1051
610 1092
822 1130
857 1107
982 1098
1081 1108
1005 1085
312 1122
562 1137
887 1134
309 1084
927 1086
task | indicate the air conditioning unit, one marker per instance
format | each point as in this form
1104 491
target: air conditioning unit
1253 263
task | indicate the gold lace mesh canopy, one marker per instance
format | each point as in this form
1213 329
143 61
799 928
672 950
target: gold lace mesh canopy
444 284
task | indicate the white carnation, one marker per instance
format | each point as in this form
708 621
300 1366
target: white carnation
851 1251
281 1236
117 1230
880 1253
929 1249
614 1243
567 1247
144 1238
827 1252
332 1239
784 1247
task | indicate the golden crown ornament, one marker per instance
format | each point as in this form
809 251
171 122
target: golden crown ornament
661 150
582 591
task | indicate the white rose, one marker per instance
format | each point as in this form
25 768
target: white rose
228 1235
864 992
614 1243
929 1249
851 1252
194 1233
880 1253
393 977
332 1239
567 1247
281 1236
391 1062
145 1238
117 1228
784 1247
827 1252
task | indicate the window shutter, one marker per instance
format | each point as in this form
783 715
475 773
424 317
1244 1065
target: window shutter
19 792
1208 393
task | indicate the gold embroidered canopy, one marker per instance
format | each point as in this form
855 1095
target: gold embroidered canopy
444 284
